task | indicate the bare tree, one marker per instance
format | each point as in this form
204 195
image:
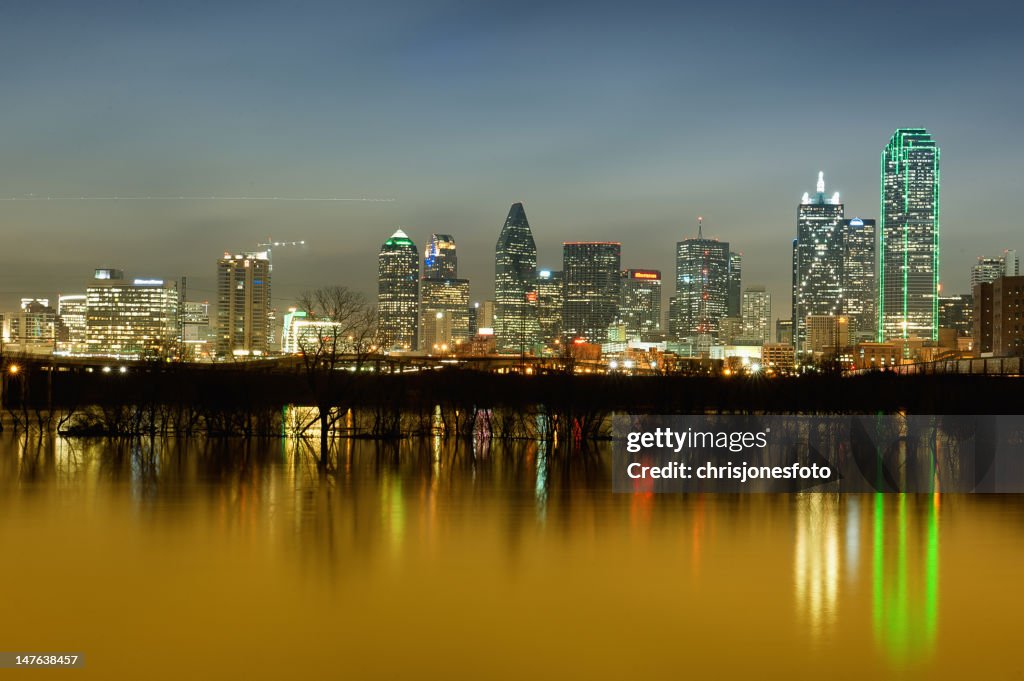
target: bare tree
335 346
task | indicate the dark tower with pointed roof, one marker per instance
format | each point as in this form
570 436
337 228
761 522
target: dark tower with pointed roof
516 326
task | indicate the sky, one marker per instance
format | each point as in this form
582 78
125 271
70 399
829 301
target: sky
609 121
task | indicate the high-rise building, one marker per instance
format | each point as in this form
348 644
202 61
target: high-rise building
34 329
131 319
956 312
444 298
550 299
702 286
591 273
71 310
990 268
858 279
196 332
757 314
444 314
439 258
243 304
516 326
398 293
998 315
908 298
817 260
735 285
784 331
640 306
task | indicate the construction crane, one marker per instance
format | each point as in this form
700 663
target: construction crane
270 244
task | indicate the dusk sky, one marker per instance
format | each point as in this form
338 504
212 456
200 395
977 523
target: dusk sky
610 121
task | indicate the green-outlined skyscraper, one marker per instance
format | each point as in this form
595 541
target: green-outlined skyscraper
908 301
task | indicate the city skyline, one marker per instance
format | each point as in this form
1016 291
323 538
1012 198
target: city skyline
671 119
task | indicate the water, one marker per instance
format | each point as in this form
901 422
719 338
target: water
227 560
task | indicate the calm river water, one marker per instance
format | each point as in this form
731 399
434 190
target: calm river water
228 560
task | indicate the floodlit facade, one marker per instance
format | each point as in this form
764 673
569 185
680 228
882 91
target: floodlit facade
398 292
591 273
516 326
640 306
908 302
132 319
243 304
439 258
817 260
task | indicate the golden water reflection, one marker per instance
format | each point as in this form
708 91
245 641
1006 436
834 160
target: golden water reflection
426 559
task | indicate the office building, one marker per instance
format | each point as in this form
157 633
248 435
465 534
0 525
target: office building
702 287
999 317
859 277
550 299
591 274
197 334
243 304
398 293
735 285
516 326
71 311
909 237
439 258
132 319
444 314
956 312
640 306
990 268
817 260
756 314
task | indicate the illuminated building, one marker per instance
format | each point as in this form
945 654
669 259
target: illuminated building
859 279
909 249
131 318
999 317
243 304
590 270
955 312
826 333
817 260
735 285
71 310
777 356
784 331
640 306
302 334
702 286
989 268
757 314
439 258
444 314
33 329
398 292
516 326
196 332
550 288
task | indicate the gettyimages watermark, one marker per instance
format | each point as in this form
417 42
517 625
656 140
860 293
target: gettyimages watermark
778 454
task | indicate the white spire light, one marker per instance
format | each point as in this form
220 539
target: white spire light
821 181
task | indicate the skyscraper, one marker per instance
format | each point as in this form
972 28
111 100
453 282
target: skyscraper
515 285
735 284
640 306
817 260
908 301
137 318
591 273
398 289
702 286
444 298
859 281
990 268
550 296
243 304
439 259
757 314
